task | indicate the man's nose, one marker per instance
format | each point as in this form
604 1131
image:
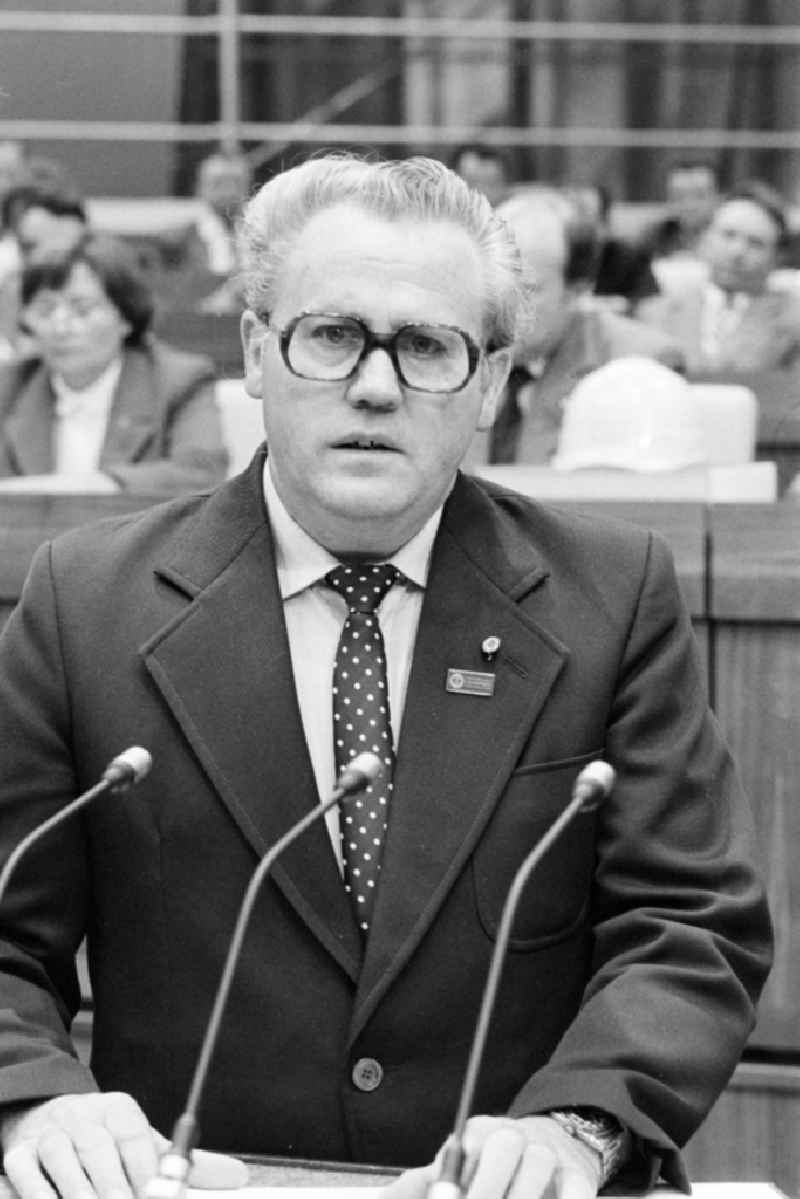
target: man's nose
375 382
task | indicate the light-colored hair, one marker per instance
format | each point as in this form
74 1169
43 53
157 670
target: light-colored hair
415 187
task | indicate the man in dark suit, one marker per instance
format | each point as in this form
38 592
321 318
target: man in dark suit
353 587
562 333
733 321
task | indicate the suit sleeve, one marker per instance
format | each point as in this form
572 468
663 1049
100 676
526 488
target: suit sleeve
682 936
43 913
194 455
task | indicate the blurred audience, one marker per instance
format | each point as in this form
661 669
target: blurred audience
692 195
35 214
223 185
624 274
732 320
12 165
483 167
43 215
562 334
103 406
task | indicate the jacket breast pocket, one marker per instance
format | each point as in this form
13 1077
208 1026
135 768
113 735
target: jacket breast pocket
556 897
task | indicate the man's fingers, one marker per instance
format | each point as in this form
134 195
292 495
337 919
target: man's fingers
134 1138
23 1171
412 1184
95 1146
217 1171
96 1152
539 1174
500 1156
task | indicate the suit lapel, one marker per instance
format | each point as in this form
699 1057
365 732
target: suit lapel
132 420
224 669
29 427
578 352
456 751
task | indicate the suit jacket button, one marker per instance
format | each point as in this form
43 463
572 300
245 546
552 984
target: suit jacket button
367 1074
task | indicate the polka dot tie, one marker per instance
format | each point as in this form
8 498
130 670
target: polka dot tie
361 724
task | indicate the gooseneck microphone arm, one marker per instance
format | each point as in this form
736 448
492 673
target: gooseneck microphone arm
592 785
127 769
174 1166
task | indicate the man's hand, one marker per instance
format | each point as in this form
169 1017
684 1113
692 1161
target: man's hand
97 1146
520 1159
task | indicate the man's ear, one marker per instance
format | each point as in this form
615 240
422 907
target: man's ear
495 368
253 332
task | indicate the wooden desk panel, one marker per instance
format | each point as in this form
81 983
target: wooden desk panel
751 1133
26 521
754 597
778 432
755 569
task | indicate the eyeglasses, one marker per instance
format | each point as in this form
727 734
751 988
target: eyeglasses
43 310
326 347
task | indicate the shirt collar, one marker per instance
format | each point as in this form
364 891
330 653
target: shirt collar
70 400
737 301
301 561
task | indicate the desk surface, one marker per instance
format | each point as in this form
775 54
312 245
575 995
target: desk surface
308 1175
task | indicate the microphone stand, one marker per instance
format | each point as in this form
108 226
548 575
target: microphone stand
127 769
591 786
170 1182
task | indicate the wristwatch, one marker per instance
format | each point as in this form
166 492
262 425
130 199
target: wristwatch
601 1132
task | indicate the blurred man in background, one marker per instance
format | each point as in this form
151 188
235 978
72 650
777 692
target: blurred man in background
223 185
561 334
732 320
483 167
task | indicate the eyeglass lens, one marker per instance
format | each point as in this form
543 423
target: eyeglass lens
429 357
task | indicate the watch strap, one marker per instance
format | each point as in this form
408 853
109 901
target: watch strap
601 1131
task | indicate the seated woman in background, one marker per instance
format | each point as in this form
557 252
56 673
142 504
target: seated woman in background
102 405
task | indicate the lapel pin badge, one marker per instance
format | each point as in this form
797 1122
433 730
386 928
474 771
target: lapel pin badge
469 682
490 646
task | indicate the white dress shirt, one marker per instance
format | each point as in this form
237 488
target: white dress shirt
722 314
314 616
81 418
219 240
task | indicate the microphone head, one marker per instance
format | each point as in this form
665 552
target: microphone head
358 774
129 767
594 782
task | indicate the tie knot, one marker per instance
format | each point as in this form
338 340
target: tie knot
364 586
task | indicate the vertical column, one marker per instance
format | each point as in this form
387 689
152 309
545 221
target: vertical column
229 74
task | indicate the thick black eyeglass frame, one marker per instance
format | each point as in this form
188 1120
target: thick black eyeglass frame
372 340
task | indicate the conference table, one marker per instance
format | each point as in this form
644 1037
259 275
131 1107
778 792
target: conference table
739 569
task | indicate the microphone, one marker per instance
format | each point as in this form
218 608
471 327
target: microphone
173 1170
592 785
123 772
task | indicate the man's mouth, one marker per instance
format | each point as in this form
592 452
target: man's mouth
364 443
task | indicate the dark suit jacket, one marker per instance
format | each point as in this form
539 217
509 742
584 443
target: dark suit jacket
163 436
593 338
640 944
766 338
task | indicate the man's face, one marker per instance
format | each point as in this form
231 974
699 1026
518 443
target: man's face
740 246
224 184
692 196
363 462
549 300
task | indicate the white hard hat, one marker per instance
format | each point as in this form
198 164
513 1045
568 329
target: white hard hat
631 414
